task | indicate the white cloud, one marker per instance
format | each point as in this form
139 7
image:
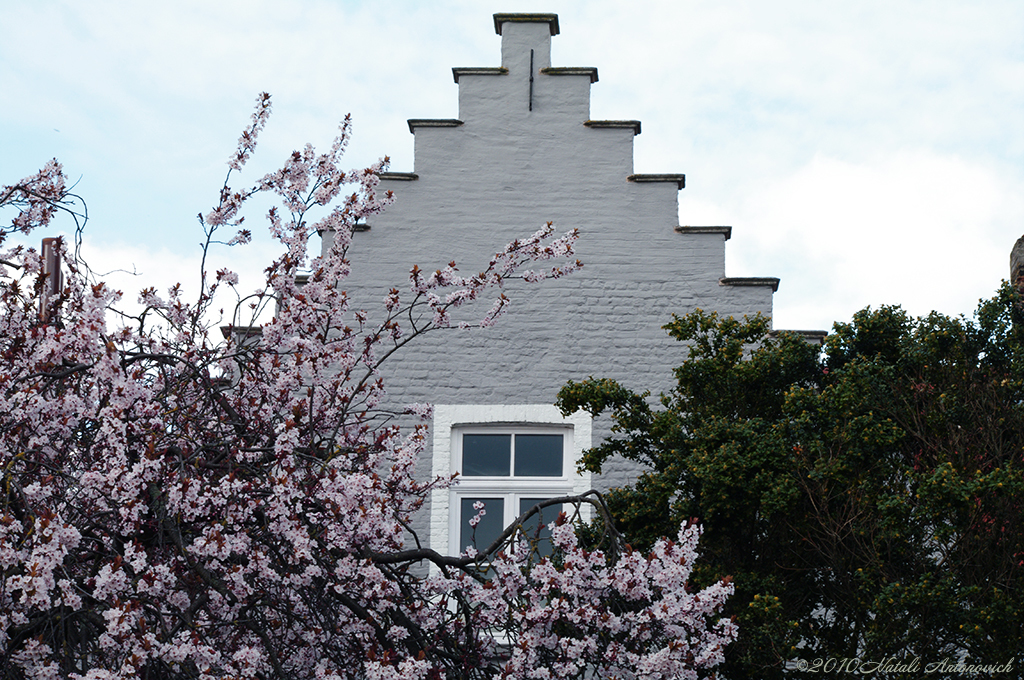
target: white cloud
773 110
131 267
916 229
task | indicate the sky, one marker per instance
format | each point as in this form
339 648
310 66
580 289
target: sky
865 153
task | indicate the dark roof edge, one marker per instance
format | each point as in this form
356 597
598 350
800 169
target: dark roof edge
550 19
399 176
241 331
725 231
459 71
678 179
571 71
432 122
808 335
635 124
750 281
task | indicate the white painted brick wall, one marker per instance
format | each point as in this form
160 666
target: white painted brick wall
500 176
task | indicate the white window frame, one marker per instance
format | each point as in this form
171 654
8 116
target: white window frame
452 421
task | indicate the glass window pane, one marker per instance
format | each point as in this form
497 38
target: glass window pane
545 517
491 524
538 455
486 455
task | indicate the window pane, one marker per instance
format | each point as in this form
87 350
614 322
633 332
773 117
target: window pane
544 518
538 455
486 455
492 523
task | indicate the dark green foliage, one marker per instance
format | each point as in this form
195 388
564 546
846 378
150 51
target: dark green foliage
868 502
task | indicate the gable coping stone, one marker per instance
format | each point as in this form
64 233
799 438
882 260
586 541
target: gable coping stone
459 71
433 122
677 178
750 281
571 71
724 231
549 19
634 124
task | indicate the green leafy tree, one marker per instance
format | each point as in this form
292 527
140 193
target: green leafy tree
867 500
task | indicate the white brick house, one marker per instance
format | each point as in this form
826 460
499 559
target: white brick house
525 150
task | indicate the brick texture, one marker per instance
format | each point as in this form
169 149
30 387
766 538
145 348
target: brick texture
501 175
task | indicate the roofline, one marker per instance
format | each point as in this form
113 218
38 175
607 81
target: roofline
550 19
724 231
459 71
750 281
433 122
627 124
589 71
679 179
399 176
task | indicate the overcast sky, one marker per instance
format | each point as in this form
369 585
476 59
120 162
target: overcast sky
866 153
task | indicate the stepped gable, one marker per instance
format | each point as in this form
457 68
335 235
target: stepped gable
530 121
524 150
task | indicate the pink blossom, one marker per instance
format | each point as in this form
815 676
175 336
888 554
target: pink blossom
240 506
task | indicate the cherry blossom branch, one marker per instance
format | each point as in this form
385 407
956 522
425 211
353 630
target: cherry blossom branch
172 505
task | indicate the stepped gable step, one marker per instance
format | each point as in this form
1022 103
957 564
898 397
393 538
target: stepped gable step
571 71
550 19
399 176
815 337
725 231
635 124
750 281
460 71
678 179
241 332
432 122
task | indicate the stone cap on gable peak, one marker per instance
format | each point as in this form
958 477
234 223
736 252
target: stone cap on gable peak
550 19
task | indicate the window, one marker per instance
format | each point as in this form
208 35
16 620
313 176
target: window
505 472
508 457
527 454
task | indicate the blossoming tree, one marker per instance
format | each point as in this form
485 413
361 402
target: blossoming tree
178 505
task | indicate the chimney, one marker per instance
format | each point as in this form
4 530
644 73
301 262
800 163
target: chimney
54 279
1017 265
